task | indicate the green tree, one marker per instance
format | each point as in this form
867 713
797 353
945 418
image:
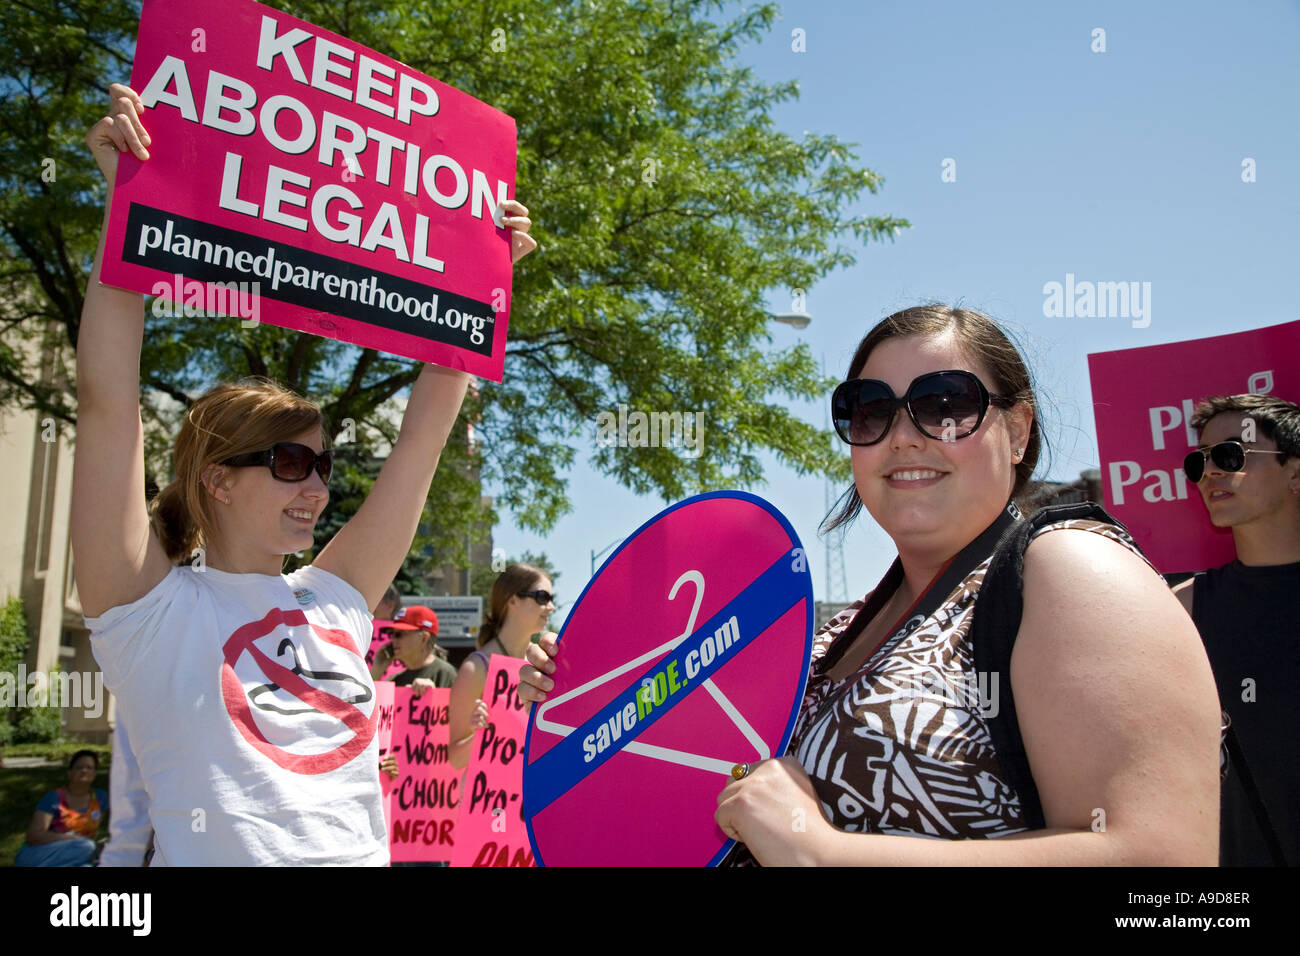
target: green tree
13 649
668 210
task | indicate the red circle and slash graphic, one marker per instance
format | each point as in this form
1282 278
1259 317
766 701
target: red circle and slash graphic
232 690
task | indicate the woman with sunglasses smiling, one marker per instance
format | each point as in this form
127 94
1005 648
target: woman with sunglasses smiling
287 775
895 739
519 607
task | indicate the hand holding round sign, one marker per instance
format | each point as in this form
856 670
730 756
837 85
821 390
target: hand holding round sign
686 655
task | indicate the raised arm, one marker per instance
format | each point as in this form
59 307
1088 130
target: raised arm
369 550
118 559
467 714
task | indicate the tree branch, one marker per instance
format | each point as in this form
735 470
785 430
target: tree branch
168 389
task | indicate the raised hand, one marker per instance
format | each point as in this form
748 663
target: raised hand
121 130
514 216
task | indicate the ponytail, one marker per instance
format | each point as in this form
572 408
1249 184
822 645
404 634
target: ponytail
175 527
490 629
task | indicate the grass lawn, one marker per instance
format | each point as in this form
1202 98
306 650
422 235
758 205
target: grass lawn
20 790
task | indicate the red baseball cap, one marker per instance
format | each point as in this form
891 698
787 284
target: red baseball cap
417 617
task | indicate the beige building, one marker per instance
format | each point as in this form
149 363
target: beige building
36 557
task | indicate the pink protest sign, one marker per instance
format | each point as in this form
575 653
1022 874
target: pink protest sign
378 642
301 179
685 655
384 733
1143 401
490 830
426 795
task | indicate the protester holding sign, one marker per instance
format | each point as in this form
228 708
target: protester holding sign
245 693
414 633
519 607
1247 469
1117 724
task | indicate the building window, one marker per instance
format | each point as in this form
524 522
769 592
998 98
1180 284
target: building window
48 470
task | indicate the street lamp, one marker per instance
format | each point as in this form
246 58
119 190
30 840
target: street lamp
796 320
601 553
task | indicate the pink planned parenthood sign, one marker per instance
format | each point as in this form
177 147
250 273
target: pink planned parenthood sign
300 179
1143 401
685 655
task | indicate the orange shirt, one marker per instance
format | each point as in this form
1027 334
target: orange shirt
67 819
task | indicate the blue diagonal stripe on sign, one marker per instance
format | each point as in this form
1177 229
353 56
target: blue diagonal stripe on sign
756 608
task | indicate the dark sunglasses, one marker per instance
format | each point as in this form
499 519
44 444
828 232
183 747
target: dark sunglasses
1228 455
288 461
541 597
942 405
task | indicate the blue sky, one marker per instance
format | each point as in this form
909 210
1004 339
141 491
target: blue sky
1123 165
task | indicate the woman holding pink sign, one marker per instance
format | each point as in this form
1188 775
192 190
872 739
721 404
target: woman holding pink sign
1074 717
252 753
519 607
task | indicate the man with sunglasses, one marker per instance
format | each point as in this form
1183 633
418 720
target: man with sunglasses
1247 468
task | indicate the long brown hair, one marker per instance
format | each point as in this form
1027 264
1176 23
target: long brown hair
981 338
515 578
227 420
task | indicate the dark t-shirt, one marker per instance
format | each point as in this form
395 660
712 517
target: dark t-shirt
440 672
1249 618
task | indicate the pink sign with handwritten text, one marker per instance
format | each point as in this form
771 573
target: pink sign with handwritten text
490 830
426 794
384 734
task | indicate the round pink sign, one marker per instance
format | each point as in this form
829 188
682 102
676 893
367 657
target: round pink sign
685 655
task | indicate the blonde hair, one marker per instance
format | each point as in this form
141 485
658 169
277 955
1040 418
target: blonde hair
515 578
228 420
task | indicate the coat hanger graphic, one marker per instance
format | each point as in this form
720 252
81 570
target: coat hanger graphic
667 754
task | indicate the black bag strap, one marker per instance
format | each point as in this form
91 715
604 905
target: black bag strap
998 609
1256 799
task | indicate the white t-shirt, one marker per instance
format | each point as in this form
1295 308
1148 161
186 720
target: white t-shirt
251 715
128 823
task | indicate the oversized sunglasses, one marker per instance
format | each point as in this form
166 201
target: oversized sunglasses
541 597
942 405
288 461
1228 455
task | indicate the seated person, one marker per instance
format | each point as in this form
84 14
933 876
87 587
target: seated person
66 821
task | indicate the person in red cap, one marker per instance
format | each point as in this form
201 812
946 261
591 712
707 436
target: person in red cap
414 631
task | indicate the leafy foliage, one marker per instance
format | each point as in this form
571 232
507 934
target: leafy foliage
667 206
13 648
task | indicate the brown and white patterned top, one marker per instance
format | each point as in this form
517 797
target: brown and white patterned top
902 746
